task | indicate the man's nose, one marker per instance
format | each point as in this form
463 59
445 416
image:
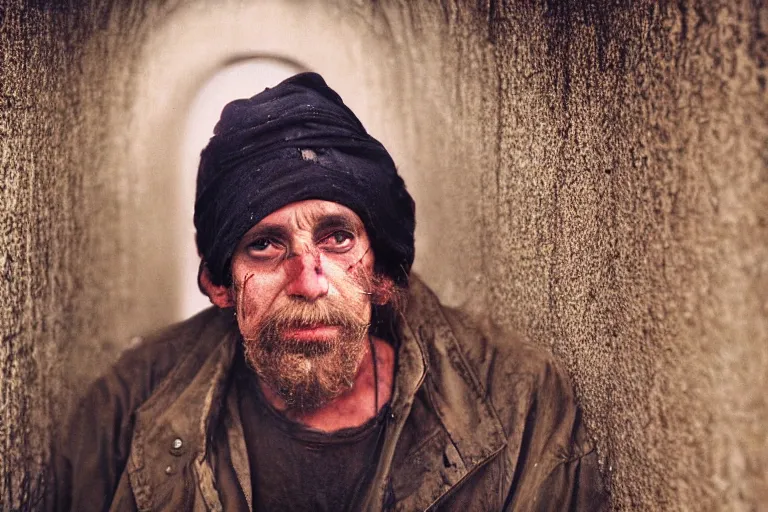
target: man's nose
306 276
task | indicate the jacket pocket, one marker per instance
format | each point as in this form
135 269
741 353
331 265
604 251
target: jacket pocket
427 472
177 493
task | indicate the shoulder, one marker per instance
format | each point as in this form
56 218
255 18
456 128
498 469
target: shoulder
528 387
146 364
508 366
90 453
499 356
496 358
532 395
524 383
141 368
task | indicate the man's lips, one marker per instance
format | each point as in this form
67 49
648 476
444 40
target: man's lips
311 332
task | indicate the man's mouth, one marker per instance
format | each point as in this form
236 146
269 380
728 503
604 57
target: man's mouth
317 332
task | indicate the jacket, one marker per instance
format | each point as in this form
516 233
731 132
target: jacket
479 421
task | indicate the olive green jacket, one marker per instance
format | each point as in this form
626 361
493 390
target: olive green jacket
478 422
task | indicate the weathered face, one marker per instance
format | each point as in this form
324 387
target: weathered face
302 284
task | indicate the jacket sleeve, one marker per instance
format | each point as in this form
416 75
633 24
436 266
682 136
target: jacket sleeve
574 485
553 463
89 455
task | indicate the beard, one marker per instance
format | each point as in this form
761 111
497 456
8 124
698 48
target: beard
308 374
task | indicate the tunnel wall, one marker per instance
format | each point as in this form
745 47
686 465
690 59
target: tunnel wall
592 174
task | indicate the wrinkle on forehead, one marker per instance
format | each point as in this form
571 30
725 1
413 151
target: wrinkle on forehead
304 215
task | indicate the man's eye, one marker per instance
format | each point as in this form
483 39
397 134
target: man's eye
261 244
338 240
340 237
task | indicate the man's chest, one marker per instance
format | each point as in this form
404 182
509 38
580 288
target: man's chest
296 468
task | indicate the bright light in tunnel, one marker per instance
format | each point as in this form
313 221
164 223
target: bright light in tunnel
240 80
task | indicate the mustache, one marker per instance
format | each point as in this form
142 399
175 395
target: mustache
302 314
309 314
357 281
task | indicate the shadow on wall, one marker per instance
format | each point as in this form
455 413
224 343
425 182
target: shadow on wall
240 79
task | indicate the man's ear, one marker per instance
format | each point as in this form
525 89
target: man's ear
219 295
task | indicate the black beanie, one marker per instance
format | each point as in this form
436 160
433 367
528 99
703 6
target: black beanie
293 142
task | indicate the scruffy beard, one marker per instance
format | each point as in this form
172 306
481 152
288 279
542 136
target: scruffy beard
308 374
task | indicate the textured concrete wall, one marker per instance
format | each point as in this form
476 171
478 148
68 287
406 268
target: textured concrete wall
621 158
594 175
41 234
67 226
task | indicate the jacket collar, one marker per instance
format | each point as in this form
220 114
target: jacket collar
173 426
430 356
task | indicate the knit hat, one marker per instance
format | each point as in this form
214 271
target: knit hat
290 143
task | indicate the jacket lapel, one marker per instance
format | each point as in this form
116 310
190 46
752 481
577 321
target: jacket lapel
467 432
171 429
411 370
238 451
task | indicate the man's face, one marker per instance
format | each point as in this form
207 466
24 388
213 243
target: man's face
302 282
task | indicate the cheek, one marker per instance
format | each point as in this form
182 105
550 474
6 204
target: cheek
354 286
254 294
354 272
335 271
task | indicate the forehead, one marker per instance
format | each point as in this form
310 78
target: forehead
305 215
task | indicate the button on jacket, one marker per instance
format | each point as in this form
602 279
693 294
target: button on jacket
479 421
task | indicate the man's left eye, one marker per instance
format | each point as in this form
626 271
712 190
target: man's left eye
338 239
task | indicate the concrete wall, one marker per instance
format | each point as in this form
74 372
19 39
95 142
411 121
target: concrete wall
594 175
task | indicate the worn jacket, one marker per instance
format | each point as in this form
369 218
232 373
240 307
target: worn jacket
479 421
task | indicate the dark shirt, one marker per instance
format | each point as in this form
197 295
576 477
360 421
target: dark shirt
297 468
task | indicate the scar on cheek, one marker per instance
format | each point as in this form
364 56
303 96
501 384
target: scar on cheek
356 264
383 292
240 294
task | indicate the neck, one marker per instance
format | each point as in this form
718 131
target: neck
371 390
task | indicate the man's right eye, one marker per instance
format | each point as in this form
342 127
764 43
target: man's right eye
264 248
260 244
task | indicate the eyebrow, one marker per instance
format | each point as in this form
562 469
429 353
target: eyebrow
267 231
324 223
335 221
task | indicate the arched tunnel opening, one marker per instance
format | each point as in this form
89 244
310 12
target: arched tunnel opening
241 78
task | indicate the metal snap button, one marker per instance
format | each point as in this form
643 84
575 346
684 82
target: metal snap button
176 447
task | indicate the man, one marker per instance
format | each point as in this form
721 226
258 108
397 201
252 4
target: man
326 377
